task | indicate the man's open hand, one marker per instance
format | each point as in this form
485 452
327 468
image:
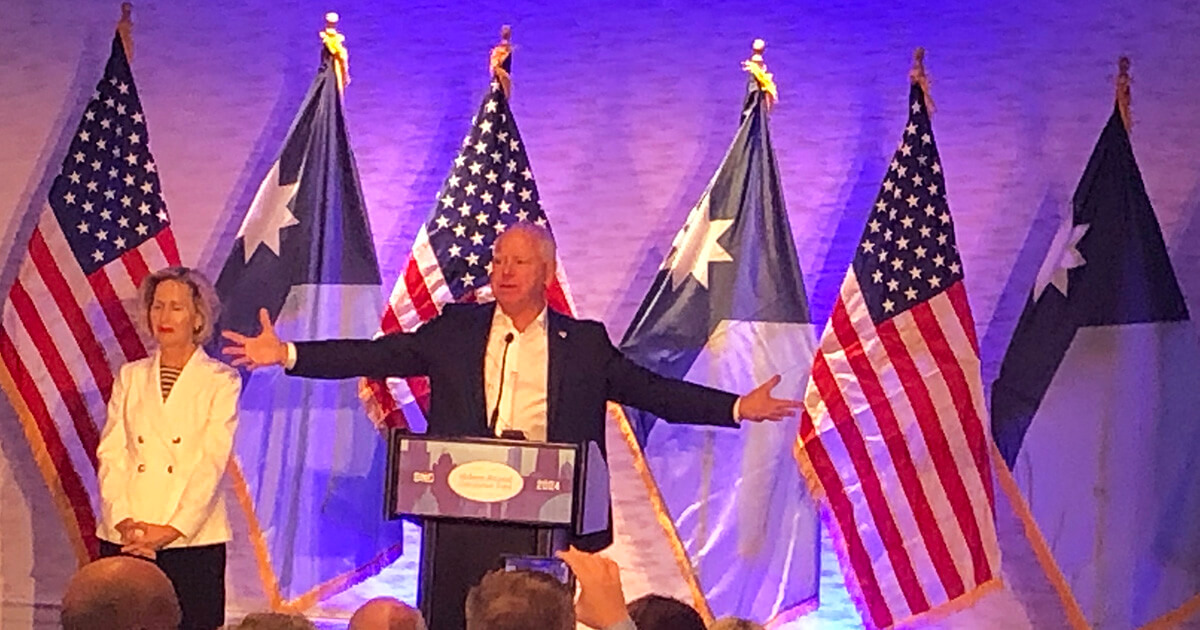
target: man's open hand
759 405
256 352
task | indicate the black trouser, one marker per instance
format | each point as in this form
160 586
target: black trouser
198 574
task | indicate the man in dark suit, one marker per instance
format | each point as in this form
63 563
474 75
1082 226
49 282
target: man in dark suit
582 368
514 364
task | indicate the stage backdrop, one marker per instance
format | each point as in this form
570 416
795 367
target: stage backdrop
626 109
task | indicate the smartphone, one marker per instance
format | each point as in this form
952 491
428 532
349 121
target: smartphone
552 566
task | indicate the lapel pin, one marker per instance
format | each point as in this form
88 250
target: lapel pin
562 334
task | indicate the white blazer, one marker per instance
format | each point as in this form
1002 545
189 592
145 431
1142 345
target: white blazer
162 462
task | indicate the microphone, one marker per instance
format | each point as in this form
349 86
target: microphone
508 339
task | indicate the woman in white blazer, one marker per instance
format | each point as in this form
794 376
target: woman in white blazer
165 447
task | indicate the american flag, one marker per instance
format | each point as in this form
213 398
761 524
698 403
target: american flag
69 320
490 187
892 433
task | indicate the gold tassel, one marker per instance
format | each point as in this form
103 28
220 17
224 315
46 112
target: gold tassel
125 30
758 69
498 56
917 75
1124 93
335 44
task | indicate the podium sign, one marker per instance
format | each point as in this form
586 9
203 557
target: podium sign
494 480
479 499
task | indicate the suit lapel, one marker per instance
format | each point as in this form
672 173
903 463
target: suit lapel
556 349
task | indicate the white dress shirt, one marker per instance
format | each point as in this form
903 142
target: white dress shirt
522 404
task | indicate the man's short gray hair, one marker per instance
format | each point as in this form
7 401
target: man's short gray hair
208 305
540 235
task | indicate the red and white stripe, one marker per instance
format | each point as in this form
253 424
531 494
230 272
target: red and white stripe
63 335
893 436
417 297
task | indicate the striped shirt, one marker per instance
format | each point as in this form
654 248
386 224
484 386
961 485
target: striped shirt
167 377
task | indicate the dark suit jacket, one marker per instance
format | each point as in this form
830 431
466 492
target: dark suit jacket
584 372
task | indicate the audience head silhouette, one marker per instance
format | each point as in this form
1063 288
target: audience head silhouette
734 623
386 613
520 600
274 621
657 612
120 593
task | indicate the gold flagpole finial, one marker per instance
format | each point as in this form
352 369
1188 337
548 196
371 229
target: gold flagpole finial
335 43
1124 93
125 29
757 68
758 47
918 76
496 58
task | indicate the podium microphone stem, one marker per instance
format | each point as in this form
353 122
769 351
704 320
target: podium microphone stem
508 339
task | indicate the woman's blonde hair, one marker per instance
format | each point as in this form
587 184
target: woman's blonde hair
208 305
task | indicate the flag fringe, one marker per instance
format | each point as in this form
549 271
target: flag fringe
345 581
839 543
41 456
966 600
658 504
266 572
258 542
1175 618
1045 558
1036 540
788 615
958 604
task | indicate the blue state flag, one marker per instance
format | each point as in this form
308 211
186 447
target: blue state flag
313 463
1097 406
728 309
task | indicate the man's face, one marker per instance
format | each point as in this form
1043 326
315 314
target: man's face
520 274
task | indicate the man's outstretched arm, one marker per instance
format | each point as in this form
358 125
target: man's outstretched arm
676 400
390 355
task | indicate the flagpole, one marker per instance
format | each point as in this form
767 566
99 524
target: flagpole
335 43
1124 93
125 30
918 76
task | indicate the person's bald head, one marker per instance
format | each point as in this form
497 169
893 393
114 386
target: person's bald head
386 613
120 593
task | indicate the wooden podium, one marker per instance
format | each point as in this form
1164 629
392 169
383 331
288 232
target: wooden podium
479 500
